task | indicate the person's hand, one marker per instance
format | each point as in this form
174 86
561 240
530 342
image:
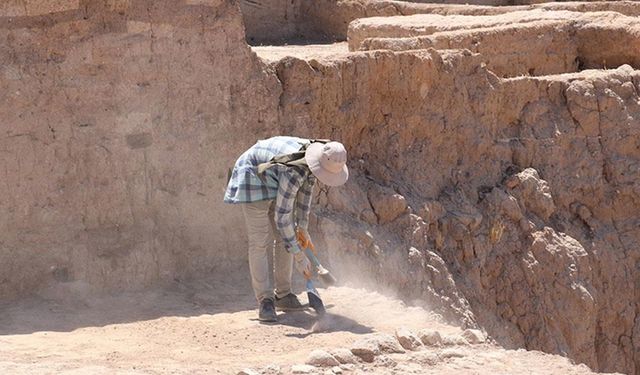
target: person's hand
304 240
303 265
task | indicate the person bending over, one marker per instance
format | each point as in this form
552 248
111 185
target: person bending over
273 182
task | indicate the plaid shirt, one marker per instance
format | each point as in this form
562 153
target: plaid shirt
291 187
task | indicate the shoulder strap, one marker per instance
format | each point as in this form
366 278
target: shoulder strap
292 159
318 141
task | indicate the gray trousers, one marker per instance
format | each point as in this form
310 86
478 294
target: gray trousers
265 241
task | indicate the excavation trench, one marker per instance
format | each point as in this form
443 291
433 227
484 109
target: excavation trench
493 189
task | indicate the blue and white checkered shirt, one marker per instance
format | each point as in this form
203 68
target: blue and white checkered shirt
291 187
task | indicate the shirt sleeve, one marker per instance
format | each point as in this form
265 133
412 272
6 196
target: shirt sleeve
289 183
303 202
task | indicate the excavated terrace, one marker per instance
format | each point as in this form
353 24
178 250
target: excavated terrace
536 42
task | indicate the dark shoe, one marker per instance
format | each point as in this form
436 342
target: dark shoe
289 303
267 311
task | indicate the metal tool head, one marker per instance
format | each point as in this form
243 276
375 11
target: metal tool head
316 303
326 277
314 298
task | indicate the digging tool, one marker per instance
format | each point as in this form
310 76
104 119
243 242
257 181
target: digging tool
315 302
305 267
324 275
310 251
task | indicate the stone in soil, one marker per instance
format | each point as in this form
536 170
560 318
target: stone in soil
474 336
344 355
303 369
372 345
450 340
430 337
322 358
408 339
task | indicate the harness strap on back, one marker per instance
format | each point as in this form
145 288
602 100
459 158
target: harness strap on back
290 160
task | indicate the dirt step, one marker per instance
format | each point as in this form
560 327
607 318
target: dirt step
305 52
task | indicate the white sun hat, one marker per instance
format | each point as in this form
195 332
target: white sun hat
328 162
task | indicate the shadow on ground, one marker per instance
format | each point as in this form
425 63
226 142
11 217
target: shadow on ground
323 324
70 312
38 314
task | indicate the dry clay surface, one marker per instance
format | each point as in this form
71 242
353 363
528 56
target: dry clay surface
309 51
207 330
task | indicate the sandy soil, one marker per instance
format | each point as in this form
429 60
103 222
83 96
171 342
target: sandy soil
305 52
211 328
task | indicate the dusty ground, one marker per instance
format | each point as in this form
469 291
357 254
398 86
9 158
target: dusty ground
187 330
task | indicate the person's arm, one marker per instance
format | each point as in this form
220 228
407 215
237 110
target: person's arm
289 183
303 203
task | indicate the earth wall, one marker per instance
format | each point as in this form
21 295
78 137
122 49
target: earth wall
119 121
